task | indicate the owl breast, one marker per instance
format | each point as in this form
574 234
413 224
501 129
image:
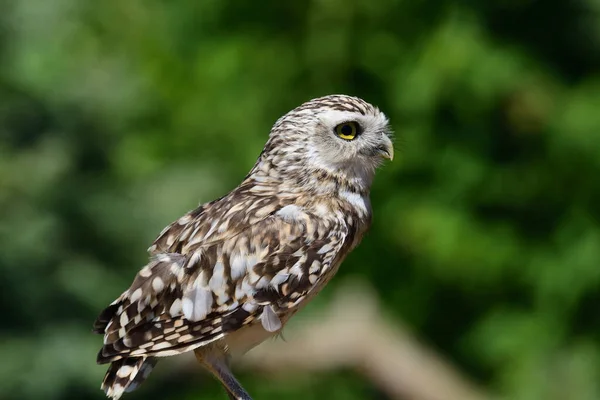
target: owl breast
320 216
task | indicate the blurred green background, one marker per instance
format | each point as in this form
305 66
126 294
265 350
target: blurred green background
116 117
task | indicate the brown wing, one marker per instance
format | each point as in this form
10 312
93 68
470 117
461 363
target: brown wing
218 220
182 301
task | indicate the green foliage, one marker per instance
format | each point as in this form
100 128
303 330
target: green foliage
118 116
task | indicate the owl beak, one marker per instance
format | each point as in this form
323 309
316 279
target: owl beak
386 149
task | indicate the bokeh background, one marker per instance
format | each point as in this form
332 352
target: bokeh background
116 117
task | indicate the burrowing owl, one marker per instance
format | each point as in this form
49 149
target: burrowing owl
230 274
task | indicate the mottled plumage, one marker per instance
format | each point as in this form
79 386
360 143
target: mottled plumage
229 274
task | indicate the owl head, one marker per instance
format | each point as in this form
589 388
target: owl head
336 136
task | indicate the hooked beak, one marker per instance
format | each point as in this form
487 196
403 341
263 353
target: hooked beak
386 149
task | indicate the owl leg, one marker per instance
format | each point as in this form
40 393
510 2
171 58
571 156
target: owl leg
215 361
233 388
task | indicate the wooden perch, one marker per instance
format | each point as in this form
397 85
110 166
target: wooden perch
352 332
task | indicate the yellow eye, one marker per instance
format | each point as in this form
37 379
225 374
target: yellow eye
347 130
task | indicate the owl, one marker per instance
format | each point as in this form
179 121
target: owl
231 273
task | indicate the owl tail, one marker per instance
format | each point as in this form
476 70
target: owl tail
126 374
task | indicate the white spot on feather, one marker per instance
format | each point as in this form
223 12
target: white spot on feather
163 258
136 295
171 240
174 268
184 220
252 277
316 265
123 319
270 321
356 200
238 266
321 209
175 308
260 179
157 284
217 280
143 372
235 208
249 307
197 302
115 391
262 283
223 227
247 288
124 371
251 261
194 259
258 188
161 345
299 253
239 291
278 279
290 213
325 249
212 229
264 211
297 270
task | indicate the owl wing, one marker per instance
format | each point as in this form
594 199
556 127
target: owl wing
182 301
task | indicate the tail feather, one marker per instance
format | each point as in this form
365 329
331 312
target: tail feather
126 374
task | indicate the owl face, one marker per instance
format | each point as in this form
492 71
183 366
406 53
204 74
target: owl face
349 139
338 134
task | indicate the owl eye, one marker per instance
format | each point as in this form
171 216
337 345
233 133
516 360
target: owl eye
347 130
